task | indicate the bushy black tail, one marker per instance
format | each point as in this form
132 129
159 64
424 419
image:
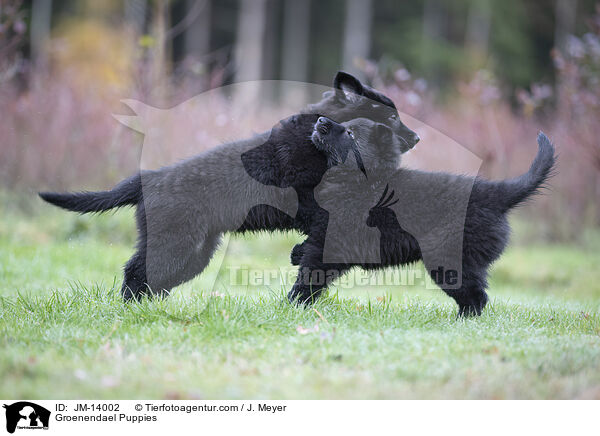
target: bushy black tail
514 191
128 192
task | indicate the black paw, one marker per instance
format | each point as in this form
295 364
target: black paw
136 293
128 295
301 297
474 306
469 311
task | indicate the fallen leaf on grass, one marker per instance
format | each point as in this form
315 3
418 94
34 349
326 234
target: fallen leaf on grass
320 316
305 331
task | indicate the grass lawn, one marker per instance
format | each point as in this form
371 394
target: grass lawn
65 333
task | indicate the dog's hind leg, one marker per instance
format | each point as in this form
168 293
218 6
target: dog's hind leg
471 296
471 302
135 282
155 271
149 275
200 258
178 262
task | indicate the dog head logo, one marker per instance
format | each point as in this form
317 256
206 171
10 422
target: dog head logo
26 415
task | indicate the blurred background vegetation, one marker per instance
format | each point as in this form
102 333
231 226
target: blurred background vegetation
487 74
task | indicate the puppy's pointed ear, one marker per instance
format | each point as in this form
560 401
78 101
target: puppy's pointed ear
349 84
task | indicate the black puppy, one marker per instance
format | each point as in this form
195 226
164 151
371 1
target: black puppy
250 185
457 225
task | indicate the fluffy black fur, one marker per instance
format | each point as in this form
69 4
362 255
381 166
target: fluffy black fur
486 228
182 210
126 193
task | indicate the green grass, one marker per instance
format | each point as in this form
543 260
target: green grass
65 333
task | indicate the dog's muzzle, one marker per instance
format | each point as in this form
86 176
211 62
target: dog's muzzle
414 139
323 125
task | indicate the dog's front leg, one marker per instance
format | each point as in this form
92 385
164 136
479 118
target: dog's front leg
313 275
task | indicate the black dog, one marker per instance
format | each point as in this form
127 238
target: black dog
457 225
183 209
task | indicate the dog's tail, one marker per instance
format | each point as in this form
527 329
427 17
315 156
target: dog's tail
128 192
512 192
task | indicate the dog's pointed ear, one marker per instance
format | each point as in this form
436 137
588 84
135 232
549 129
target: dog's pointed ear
349 84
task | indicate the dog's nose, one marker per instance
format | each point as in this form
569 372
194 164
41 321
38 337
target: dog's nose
323 125
412 140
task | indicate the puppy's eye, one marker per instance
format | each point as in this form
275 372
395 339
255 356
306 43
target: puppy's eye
350 134
393 117
375 106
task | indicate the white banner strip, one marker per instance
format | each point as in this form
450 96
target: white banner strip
272 417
